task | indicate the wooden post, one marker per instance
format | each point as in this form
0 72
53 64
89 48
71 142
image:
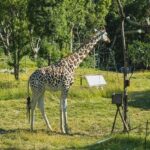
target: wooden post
125 100
81 80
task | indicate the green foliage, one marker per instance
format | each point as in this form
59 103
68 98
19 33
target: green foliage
65 22
27 63
14 31
49 49
41 62
57 23
139 53
63 25
88 62
138 9
47 18
139 12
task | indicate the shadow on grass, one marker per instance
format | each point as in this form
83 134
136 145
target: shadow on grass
3 131
8 84
140 99
119 143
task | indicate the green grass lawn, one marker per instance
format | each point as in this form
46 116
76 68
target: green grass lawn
90 115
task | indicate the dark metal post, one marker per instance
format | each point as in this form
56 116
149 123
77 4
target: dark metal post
49 59
125 100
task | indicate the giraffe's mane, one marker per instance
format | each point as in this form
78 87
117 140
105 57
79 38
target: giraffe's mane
68 55
90 39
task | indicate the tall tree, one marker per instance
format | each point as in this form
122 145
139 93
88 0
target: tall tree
66 22
13 31
139 14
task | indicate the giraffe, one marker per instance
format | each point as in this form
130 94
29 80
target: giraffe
58 76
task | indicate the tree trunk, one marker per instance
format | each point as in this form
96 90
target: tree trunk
71 39
16 64
16 71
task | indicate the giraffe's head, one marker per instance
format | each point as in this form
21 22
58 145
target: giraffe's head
102 35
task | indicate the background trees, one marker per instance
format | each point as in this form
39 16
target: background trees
14 31
65 20
138 12
58 27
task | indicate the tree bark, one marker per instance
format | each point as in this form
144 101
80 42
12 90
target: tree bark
16 71
16 64
71 39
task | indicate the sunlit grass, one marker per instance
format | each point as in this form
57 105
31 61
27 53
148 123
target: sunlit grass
90 114
16 89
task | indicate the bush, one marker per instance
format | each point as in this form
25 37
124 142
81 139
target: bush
139 54
41 62
88 62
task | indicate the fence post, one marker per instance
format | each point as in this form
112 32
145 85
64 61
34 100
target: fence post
81 80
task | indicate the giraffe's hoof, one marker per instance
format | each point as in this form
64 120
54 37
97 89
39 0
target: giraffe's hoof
66 131
63 131
49 129
31 130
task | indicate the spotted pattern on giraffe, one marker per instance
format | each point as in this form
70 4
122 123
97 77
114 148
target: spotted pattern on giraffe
59 76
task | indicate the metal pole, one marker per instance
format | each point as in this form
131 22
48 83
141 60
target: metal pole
49 59
125 100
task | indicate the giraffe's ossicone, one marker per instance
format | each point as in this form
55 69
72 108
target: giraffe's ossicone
59 76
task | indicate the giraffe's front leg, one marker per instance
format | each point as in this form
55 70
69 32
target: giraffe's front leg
63 113
61 117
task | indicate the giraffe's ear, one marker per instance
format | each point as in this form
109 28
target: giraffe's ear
95 30
102 29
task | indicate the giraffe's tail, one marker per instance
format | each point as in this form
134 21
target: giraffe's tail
28 104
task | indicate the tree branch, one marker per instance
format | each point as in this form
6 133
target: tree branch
121 9
34 43
5 37
144 26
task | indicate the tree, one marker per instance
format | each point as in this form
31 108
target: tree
66 22
139 53
139 14
14 31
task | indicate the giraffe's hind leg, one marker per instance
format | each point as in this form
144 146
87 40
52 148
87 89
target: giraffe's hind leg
63 112
33 104
35 97
42 109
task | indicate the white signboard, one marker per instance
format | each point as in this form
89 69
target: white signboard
95 80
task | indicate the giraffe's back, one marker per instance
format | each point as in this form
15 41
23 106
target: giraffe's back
51 78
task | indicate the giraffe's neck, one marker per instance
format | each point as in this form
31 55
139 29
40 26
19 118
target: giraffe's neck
77 57
73 61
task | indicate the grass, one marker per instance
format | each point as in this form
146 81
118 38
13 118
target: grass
16 89
90 115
